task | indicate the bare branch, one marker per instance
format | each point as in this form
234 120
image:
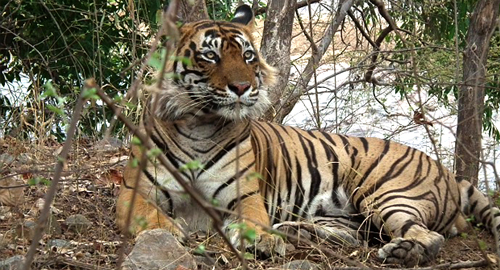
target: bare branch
61 159
300 4
285 105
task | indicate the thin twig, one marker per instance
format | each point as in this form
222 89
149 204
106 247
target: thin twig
49 197
300 4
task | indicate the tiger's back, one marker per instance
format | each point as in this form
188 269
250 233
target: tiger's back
335 186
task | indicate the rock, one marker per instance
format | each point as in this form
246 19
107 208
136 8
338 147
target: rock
290 248
78 223
108 145
158 249
12 263
6 159
58 243
301 265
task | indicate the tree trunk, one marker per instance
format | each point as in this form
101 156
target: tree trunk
471 96
192 13
275 47
283 99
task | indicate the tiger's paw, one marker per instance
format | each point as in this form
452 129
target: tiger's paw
318 233
409 252
268 245
264 245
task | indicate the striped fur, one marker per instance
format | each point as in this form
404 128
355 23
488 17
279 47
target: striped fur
334 186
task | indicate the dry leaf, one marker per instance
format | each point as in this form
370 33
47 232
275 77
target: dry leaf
11 191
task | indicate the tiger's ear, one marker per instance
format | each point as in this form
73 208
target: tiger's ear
243 15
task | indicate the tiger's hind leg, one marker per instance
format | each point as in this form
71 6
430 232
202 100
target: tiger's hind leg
412 242
336 230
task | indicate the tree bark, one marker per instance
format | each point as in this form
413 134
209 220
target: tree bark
275 47
471 95
192 13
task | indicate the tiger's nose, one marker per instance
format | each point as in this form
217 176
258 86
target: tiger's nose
239 88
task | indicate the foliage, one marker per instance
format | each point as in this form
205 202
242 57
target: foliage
65 42
435 33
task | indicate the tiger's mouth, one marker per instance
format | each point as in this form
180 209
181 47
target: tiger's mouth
229 105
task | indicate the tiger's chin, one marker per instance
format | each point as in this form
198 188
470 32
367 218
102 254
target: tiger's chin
241 112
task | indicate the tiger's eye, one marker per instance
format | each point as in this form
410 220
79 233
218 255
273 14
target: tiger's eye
210 55
248 55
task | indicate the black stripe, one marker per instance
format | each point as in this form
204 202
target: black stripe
232 204
231 180
403 205
388 215
153 180
389 175
472 208
451 219
332 160
328 136
165 151
470 192
228 147
364 141
408 224
312 165
345 143
374 164
299 191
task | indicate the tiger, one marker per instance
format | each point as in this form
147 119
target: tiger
268 175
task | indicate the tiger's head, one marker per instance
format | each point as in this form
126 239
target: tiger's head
218 71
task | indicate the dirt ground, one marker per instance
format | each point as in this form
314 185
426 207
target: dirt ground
89 187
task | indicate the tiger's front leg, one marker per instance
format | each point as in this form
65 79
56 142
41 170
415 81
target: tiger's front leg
254 217
142 214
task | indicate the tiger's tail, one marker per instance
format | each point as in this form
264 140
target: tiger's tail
477 206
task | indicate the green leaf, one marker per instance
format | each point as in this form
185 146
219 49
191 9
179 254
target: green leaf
55 109
200 250
248 256
254 175
191 166
154 152
135 163
250 235
90 93
39 181
136 141
470 219
50 91
215 202
157 59
482 245
117 98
